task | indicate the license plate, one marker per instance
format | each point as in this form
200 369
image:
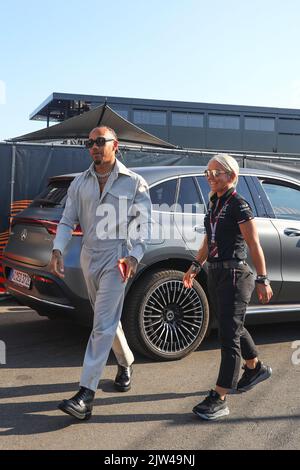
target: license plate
22 279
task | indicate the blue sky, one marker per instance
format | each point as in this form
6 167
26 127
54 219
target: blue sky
213 51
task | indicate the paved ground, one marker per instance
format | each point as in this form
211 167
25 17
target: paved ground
43 366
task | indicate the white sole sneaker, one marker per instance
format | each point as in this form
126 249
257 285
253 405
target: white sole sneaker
212 417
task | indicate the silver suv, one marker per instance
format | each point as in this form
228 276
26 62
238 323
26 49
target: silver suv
161 318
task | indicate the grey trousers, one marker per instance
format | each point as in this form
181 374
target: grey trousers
106 293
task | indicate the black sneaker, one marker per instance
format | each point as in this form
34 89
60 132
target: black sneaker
212 407
252 377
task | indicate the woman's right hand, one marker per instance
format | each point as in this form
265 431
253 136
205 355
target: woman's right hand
264 293
188 278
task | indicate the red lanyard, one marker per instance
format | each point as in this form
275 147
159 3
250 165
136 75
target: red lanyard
213 225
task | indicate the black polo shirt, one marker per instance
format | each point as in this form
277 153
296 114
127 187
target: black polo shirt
227 213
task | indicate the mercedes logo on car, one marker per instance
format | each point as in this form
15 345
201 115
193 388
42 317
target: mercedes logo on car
24 234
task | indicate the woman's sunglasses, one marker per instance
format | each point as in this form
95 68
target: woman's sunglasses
214 173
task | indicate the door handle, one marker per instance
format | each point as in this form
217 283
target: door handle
292 232
198 229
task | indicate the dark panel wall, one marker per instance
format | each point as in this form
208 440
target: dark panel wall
224 139
288 143
36 163
187 137
158 131
259 141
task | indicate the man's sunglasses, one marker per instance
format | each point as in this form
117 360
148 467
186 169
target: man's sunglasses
214 173
100 142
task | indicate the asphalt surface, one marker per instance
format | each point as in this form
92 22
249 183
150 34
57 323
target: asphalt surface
43 363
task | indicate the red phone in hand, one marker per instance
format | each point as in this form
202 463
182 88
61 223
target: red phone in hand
122 268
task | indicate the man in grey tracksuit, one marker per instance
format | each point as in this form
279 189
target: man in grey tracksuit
112 205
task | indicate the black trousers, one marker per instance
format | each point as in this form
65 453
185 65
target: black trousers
230 292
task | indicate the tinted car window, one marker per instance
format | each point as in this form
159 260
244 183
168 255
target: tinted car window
242 189
189 198
284 199
54 195
163 193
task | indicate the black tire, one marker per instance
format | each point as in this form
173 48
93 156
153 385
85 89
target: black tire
156 320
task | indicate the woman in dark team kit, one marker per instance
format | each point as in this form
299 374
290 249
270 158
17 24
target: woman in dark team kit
230 226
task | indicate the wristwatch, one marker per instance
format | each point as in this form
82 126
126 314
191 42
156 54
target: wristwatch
195 267
262 280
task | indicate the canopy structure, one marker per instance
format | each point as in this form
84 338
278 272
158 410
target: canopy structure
79 127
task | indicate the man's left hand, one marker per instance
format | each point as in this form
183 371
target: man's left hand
131 266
